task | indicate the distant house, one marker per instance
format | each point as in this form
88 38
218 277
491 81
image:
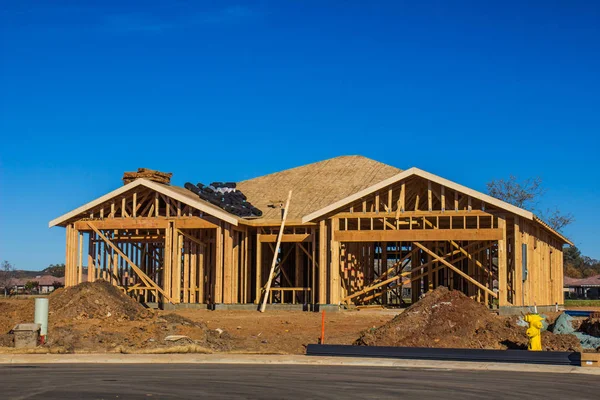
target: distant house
586 288
46 284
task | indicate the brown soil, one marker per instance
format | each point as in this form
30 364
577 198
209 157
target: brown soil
288 332
100 318
449 319
591 326
79 321
99 300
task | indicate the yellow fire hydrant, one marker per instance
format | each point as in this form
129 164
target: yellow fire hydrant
534 332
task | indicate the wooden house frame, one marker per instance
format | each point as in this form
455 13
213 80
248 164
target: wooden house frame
357 231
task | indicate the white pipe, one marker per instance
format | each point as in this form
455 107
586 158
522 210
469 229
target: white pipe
41 315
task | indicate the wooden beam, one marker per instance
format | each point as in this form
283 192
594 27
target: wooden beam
423 213
418 235
193 223
286 238
124 223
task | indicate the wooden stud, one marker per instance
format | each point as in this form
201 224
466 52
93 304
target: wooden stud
323 262
502 265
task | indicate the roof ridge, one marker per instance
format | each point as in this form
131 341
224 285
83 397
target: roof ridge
317 162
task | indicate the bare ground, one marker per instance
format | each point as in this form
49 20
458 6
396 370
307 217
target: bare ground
99 318
91 318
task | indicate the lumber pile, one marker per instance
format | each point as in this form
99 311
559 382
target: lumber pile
225 195
150 174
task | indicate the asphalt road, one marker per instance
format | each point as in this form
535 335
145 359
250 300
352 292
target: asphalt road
162 381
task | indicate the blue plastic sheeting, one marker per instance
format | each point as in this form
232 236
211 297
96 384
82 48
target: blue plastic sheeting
574 313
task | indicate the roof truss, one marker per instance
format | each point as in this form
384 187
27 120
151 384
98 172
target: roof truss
143 198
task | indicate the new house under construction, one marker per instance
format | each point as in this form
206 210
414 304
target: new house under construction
357 232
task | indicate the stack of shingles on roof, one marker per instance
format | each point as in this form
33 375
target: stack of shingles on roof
150 174
226 196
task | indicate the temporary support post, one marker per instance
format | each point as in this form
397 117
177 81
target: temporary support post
268 286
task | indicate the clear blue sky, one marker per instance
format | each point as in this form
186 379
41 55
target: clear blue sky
224 90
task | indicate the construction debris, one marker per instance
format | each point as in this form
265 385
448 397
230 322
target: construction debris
225 195
564 326
449 319
150 174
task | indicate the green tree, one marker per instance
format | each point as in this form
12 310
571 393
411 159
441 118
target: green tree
56 270
30 285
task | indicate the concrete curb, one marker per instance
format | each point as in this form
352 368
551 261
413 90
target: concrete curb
282 360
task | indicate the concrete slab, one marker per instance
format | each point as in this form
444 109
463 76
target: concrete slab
514 310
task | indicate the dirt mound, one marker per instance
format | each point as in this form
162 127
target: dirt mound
449 319
99 317
97 299
591 326
15 312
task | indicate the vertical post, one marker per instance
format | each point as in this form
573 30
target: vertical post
299 267
193 254
429 197
313 266
201 270
80 261
443 197
430 270
218 281
518 263
383 267
91 261
258 267
502 265
334 272
323 262
167 259
415 283
176 266
402 197
228 281
68 256
186 270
